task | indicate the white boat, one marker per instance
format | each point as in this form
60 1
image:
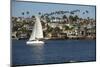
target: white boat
37 34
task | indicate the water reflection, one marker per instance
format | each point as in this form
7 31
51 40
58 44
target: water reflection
38 53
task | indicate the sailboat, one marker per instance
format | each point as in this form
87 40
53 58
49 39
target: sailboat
37 33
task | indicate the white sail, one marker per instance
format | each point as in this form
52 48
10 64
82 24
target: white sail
37 31
32 37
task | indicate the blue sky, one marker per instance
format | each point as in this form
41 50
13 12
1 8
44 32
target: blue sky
34 8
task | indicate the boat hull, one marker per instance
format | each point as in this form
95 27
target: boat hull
35 43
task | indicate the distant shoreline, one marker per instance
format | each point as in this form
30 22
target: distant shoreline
59 39
71 39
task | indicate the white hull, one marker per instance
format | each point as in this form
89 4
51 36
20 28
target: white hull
35 42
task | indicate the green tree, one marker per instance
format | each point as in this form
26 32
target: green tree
76 18
65 18
47 19
27 12
23 13
39 13
57 30
66 27
71 18
33 17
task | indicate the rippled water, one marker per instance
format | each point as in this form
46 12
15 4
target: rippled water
53 51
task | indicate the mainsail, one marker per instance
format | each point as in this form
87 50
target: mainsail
37 31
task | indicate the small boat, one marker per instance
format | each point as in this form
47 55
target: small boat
37 34
35 42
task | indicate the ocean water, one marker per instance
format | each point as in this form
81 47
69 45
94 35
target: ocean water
53 51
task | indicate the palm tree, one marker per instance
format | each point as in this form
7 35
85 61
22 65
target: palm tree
52 18
87 11
88 18
39 13
71 18
27 12
47 19
76 18
23 13
65 18
33 16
